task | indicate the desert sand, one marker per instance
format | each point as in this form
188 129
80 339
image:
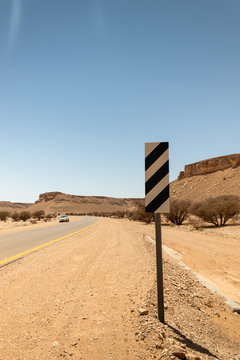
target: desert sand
82 297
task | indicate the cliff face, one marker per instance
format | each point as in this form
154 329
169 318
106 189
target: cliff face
48 196
200 187
210 166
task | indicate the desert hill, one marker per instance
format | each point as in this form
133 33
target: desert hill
60 203
57 202
13 207
208 178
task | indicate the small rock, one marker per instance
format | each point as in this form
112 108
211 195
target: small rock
143 336
143 311
192 357
209 303
178 352
55 343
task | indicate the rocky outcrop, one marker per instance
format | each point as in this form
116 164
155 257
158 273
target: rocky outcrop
48 196
210 166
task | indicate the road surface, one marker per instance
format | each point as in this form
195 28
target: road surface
18 243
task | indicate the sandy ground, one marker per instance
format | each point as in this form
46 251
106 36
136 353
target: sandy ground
79 299
74 297
213 252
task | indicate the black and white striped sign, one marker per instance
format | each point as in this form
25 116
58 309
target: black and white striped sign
157 177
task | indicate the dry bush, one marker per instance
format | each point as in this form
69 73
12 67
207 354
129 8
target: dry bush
217 210
4 215
15 216
24 215
48 217
38 214
179 211
33 222
119 214
141 215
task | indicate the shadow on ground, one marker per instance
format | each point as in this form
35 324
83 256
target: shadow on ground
190 344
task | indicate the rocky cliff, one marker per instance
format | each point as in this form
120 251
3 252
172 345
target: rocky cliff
200 187
210 166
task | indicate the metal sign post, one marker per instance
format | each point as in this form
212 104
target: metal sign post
158 238
157 201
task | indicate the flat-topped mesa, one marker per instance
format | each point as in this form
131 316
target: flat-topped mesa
47 196
210 166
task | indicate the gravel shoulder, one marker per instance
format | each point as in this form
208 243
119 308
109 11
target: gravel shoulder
80 299
214 253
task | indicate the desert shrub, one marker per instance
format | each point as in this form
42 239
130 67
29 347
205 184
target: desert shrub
129 214
39 214
119 214
24 215
141 215
33 222
4 215
48 217
95 213
15 216
103 214
217 210
179 211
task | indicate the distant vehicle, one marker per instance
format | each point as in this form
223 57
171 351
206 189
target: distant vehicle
64 219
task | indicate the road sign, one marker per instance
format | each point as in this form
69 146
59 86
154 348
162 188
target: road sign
157 177
157 201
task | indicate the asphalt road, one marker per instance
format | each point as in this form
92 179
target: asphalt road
22 241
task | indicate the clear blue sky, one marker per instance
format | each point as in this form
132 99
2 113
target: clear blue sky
84 83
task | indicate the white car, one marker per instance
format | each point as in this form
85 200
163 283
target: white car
64 219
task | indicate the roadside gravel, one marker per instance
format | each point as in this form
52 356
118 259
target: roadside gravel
198 324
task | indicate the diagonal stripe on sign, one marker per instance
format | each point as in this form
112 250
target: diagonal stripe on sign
149 147
156 190
156 165
155 154
159 200
158 176
164 208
